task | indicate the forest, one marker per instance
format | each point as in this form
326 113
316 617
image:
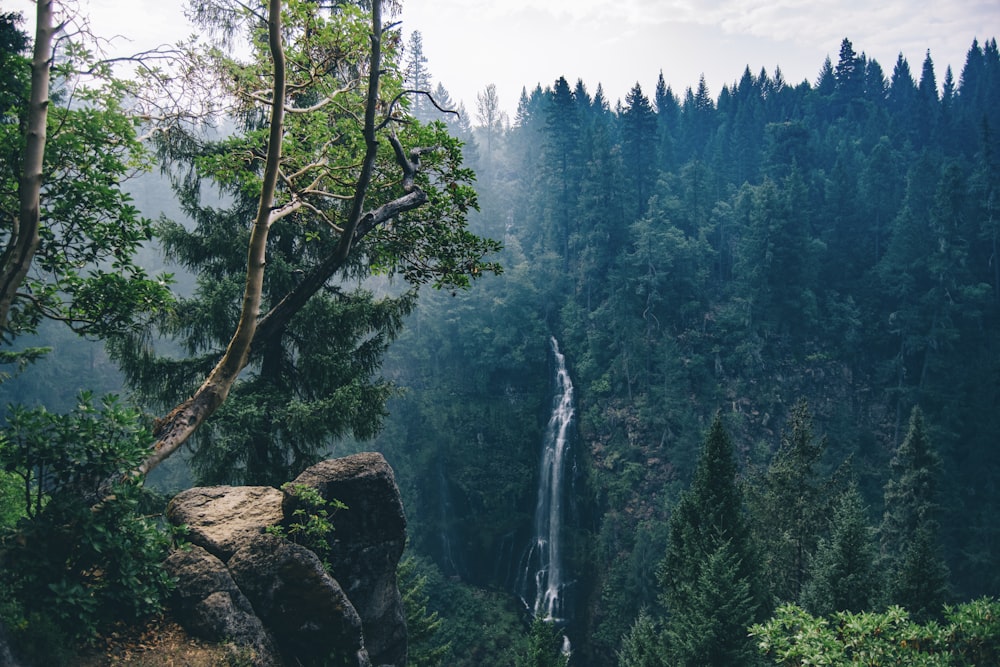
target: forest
768 321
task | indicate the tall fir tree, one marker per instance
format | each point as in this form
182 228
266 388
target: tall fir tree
843 574
639 149
417 77
917 577
314 384
789 505
641 645
710 579
545 647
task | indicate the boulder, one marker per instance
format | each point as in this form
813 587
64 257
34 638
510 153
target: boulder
312 619
367 542
260 590
210 605
221 518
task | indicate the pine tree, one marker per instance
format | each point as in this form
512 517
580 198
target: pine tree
789 506
917 575
849 77
562 165
842 574
639 149
641 646
709 577
928 104
424 646
313 384
545 647
418 78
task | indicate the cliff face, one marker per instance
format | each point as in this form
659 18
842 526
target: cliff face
274 598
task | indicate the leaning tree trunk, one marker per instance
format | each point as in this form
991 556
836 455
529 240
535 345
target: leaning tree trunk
177 427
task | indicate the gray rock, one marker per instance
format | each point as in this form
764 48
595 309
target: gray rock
263 592
222 518
367 542
208 604
312 619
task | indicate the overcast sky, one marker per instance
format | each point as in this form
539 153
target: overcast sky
520 43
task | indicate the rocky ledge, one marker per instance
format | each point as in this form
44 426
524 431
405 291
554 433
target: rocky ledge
274 599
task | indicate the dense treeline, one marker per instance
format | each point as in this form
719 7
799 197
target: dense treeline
833 241
779 307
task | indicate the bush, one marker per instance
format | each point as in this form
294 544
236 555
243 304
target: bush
85 553
970 637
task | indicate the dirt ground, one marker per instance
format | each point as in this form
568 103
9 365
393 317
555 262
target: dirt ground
161 643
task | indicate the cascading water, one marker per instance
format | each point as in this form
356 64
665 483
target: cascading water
542 562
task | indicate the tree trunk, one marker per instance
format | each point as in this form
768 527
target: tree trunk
24 238
178 426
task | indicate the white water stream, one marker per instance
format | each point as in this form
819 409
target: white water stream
543 559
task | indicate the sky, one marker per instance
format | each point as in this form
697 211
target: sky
516 44
520 43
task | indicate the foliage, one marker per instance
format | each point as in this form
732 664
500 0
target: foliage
544 648
641 647
85 554
709 578
842 573
84 270
790 505
834 241
311 523
479 628
970 635
917 575
365 192
826 241
424 645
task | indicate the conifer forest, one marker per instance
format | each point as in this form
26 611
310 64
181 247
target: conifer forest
695 377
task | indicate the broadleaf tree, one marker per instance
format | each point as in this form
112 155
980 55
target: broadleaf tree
70 231
324 147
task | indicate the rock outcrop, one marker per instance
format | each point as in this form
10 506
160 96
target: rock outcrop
367 543
241 584
222 518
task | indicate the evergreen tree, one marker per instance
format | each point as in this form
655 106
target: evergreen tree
876 86
418 78
562 165
789 505
424 647
545 647
928 104
849 78
917 576
842 574
345 205
639 149
641 647
699 120
315 383
709 576
668 113
902 99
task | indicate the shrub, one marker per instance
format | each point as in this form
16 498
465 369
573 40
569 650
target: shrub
85 553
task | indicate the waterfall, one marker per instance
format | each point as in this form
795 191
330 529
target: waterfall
542 563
